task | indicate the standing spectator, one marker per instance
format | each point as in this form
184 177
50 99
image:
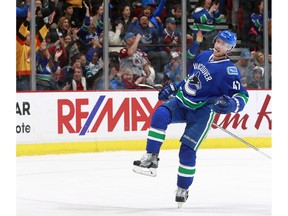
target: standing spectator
171 37
23 60
74 19
257 25
22 11
43 13
87 31
153 15
135 59
172 7
126 16
23 40
176 12
81 33
245 8
149 44
88 34
78 11
97 14
116 37
131 57
206 15
45 65
243 64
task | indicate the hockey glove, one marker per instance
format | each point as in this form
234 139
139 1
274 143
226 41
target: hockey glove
167 91
225 105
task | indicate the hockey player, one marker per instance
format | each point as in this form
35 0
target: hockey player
212 86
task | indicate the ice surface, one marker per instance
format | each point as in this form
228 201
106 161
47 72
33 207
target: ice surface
228 182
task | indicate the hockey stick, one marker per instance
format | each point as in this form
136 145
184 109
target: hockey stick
241 140
157 87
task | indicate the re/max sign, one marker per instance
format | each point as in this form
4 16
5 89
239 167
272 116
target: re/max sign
133 110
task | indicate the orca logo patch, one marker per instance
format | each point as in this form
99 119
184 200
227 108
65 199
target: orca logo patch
232 71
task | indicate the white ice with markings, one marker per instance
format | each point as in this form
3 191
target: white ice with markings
228 182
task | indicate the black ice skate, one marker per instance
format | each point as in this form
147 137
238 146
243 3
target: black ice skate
147 165
181 196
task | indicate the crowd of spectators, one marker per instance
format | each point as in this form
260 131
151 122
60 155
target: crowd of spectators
144 42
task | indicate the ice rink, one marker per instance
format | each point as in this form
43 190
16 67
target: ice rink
227 182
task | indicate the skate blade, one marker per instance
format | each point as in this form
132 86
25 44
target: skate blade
145 171
179 204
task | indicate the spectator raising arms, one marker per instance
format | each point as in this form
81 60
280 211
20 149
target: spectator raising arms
206 15
46 65
131 57
71 15
116 36
153 16
23 41
149 44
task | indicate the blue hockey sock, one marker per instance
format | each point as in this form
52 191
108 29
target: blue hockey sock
156 134
186 170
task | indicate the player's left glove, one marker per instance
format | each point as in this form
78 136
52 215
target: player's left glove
225 105
167 91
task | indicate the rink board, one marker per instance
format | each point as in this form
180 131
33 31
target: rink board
69 148
118 120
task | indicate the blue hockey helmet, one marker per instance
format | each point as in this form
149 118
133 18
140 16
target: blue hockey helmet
228 37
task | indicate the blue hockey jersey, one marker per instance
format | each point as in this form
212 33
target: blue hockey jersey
208 80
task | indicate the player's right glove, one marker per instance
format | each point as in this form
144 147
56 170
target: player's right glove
225 105
167 91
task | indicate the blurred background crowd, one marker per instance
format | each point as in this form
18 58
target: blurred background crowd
144 41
